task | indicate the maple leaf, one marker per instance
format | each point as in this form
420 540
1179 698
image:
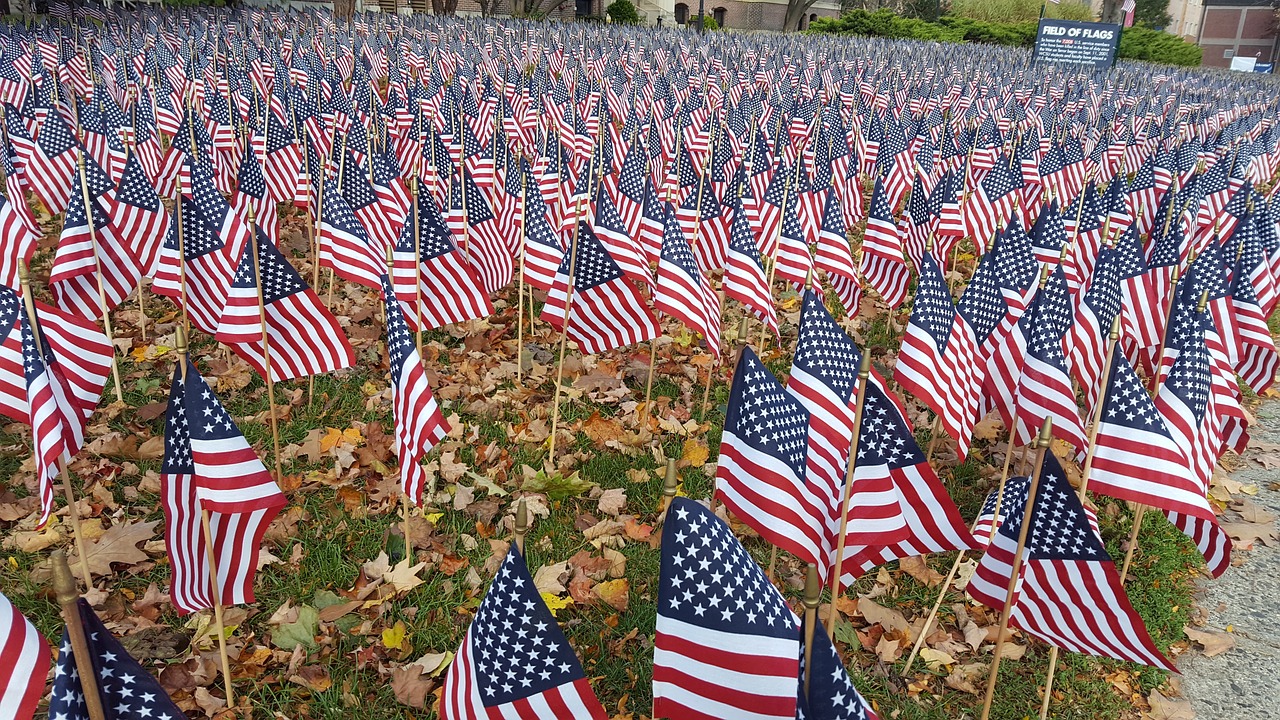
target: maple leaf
119 544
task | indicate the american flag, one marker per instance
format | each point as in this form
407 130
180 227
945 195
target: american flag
344 245
355 184
252 199
621 244
514 661
451 292
992 202
24 663
937 362
1100 305
1258 360
1045 389
792 261
898 507
208 238
303 337
632 190
744 277
283 159
882 263
683 291
17 241
126 689
835 257
490 253
1185 398
51 168
1070 594
419 422
542 252
209 466
726 644
832 695
763 471
604 310
89 251
140 219
1137 459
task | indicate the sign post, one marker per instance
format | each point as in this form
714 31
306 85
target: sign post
1076 43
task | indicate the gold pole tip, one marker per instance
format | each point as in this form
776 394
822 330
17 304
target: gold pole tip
1115 327
864 367
670 482
1204 301
64 584
812 588
24 272
180 339
522 519
1046 433
391 255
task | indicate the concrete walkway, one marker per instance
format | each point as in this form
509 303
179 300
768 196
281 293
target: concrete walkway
1244 682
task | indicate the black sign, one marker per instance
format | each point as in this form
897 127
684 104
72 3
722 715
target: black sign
1076 43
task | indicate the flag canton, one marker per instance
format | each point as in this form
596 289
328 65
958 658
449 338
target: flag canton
594 266
741 239
1016 263
1000 181
177 435
135 189
477 207
355 186
676 250
250 178
934 311
1104 293
386 170
76 217
55 137
765 416
832 695
631 182
127 690
1051 320
434 238
400 343
1208 274
337 213
791 228
1127 402
519 649
824 350
885 438
279 135
209 419
1012 502
608 219
537 226
712 581
279 279
1060 528
1189 378
833 217
1128 255
982 304
96 179
34 361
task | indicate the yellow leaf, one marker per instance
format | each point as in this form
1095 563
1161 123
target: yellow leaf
555 603
393 637
353 436
433 518
695 452
369 389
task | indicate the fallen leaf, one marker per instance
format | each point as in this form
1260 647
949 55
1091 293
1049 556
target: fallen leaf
695 452
300 633
916 567
613 501
1214 643
935 659
119 544
313 677
888 650
393 637
879 615
617 593
549 578
555 604
1245 534
434 663
411 685
1163 708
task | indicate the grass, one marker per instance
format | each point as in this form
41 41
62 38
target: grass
1019 10
336 536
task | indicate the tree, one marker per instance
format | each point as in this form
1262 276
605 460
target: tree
796 10
344 9
1152 13
623 12
534 8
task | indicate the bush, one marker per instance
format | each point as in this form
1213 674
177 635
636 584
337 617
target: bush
1006 11
1137 43
623 12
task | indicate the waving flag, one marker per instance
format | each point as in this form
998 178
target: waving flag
744 277
1070 594
140 219
543 253
833 256
17 242
1045 390
419 422
882 262
210 467
344 244
24 663
51 167
727 645
682 290
764 465
450 290
526 671
832 695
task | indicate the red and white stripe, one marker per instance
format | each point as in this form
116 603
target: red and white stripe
24 663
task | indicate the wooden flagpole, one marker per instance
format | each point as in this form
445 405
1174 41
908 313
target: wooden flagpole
864 375
215 588
1113 339
1042 446
564 335
97 264
182 257
266 346
68 595
416 190
73 510
812 596
524 245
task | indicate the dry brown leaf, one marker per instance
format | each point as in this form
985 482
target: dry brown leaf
936 659
119 544
916 567
411 686
550 578
617 593
313 677
613 501
1245 534
1163 708
967 678
879 615
1214 643
888 650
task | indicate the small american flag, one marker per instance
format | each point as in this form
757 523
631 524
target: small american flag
682 290
1045 390
763 471
938 358
744 277
621 244
283 159
451 292
419 422
17 241
882 262
344 244
514 661
126 689
1258 360
992 202
51 168
140 219
835 257
251 195
209 466
303 337
605 311
727 644
543 252
490 252
1070 594
24 663
1137 459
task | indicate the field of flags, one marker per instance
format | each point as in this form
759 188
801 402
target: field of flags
1088 260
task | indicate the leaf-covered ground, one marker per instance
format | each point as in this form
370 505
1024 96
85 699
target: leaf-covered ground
344 624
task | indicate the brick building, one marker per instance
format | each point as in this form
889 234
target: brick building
1237 28
731 14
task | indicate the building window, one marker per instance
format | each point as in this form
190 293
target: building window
1229 53
582 8
682 13
719 14
812 17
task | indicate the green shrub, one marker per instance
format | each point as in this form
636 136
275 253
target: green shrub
1013 11
1136 43
623 12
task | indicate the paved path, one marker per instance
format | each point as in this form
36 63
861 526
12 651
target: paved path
1244 682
